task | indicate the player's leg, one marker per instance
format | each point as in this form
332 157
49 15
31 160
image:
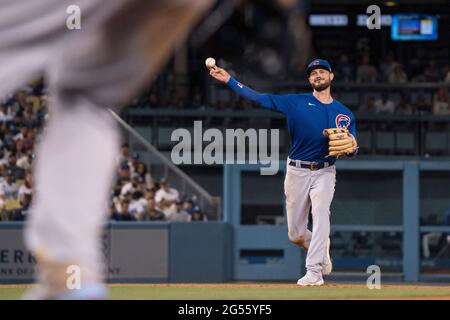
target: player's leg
321 193
29 33
73 177
97 68
296 187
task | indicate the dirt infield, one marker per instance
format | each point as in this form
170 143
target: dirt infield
259 291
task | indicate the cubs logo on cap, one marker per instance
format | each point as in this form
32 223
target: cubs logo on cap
318 64
342 121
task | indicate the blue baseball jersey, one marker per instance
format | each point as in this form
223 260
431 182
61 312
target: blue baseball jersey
306 117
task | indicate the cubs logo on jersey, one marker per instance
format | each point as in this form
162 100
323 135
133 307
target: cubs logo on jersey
342 121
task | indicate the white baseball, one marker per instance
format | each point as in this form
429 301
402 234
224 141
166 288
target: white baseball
210 62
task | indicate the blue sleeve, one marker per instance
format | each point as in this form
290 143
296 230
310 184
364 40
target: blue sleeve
269 101
352 129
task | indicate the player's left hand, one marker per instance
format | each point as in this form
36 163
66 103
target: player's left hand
341 142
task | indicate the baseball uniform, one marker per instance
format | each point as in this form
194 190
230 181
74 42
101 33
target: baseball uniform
311 174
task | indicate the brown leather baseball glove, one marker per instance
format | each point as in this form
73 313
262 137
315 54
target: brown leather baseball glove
341 142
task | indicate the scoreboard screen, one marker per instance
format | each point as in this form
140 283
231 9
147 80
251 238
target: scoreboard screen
414 27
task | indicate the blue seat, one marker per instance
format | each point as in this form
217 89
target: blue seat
385 141
436 142
405 142
364 140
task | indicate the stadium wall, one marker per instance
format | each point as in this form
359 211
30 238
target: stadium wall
139 252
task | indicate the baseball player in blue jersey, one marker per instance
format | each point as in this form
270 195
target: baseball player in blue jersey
321 129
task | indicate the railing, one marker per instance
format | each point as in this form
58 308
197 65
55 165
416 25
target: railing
161 167
394 134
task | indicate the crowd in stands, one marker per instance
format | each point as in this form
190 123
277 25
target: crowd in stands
22 116
387 71
436 104
135 195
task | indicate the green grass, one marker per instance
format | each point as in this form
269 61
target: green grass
256 292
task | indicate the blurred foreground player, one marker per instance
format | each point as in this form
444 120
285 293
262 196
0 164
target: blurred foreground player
121 45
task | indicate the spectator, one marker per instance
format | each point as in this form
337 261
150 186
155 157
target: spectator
397 75
138 205
403 106
3 157
22 213
26 160
447 77
143 174
113 214
124 156
8 141
187 206
18 172
5 114
29 117
124 171
115 197
133 163
166 196
17 102
429 238
441 102
28 141
129 186
432 238
384 105
366 73
9 189
344 69
124 214
197 214
150 193
153 213
444 240
175 213
27 187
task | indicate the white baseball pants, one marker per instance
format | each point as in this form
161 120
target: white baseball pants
306 189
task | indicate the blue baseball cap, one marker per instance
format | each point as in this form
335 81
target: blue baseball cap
318 64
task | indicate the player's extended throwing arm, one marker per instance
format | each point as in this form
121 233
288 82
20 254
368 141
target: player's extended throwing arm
269 101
